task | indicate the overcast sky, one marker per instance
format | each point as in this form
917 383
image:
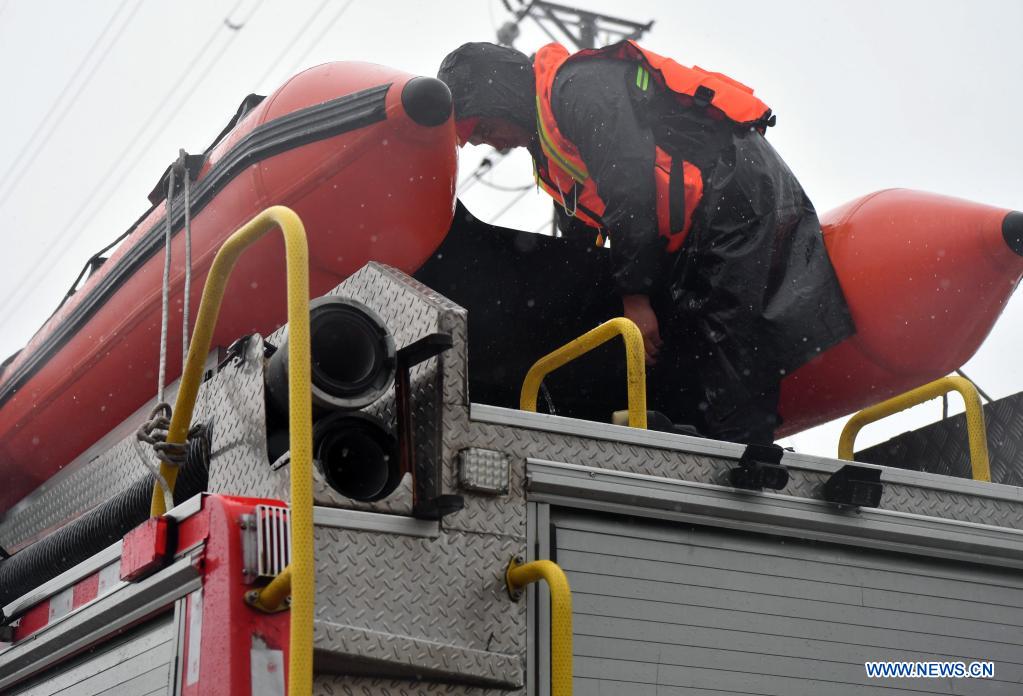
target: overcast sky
100 94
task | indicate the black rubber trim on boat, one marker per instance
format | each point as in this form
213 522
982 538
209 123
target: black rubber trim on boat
298 128
1012 231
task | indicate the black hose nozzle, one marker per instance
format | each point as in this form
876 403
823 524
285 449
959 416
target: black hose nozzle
357 455
353 357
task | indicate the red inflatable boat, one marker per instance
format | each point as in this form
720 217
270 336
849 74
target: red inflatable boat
364 154
925 276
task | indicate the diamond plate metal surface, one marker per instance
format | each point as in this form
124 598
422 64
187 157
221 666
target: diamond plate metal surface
328 685
84 485
346 649
63 499
234 403
943 447
435 604
411 311
521 443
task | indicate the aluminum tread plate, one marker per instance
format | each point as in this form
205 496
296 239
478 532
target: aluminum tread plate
439 605
238 435
330 685
943 447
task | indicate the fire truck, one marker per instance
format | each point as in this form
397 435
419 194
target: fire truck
327 510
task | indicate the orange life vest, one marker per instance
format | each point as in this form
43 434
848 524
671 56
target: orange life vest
563 175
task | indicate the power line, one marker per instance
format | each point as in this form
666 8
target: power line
508 207
25 289
31 143
288 45
506 189
233 27
316 42
487 164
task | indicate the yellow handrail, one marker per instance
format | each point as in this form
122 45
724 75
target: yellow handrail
300 671
636 370
974 419
274 596
518 576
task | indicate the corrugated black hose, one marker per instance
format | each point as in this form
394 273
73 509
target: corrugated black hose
100 527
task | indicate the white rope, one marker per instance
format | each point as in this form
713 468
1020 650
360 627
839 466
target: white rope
166 287
154 469
186 300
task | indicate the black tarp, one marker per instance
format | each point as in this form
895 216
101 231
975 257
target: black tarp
528 294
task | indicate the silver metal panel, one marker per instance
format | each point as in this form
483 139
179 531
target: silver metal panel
617 448
542 603
186 509
411 311
648 496
604 431
331 685
729 450
677 608
374 522
104 470
177 668
135 664
233 402
94 621
348 649
69 577
63 499
484 514
438 606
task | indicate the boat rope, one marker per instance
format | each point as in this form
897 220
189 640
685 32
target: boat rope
154 469
186 299
154 432
166 288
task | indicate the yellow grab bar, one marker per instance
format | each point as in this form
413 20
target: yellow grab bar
974 419
273 597
636 369
300 672
517 577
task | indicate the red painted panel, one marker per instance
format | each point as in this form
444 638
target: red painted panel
85 591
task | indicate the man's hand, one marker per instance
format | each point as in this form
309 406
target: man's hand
637 308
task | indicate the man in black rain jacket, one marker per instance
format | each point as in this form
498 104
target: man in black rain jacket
736 290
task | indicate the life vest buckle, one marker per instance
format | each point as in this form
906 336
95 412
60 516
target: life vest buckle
703 96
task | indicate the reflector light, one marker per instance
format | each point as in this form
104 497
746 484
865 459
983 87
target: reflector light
483 471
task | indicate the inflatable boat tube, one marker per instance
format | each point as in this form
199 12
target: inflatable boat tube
926 277
366 155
